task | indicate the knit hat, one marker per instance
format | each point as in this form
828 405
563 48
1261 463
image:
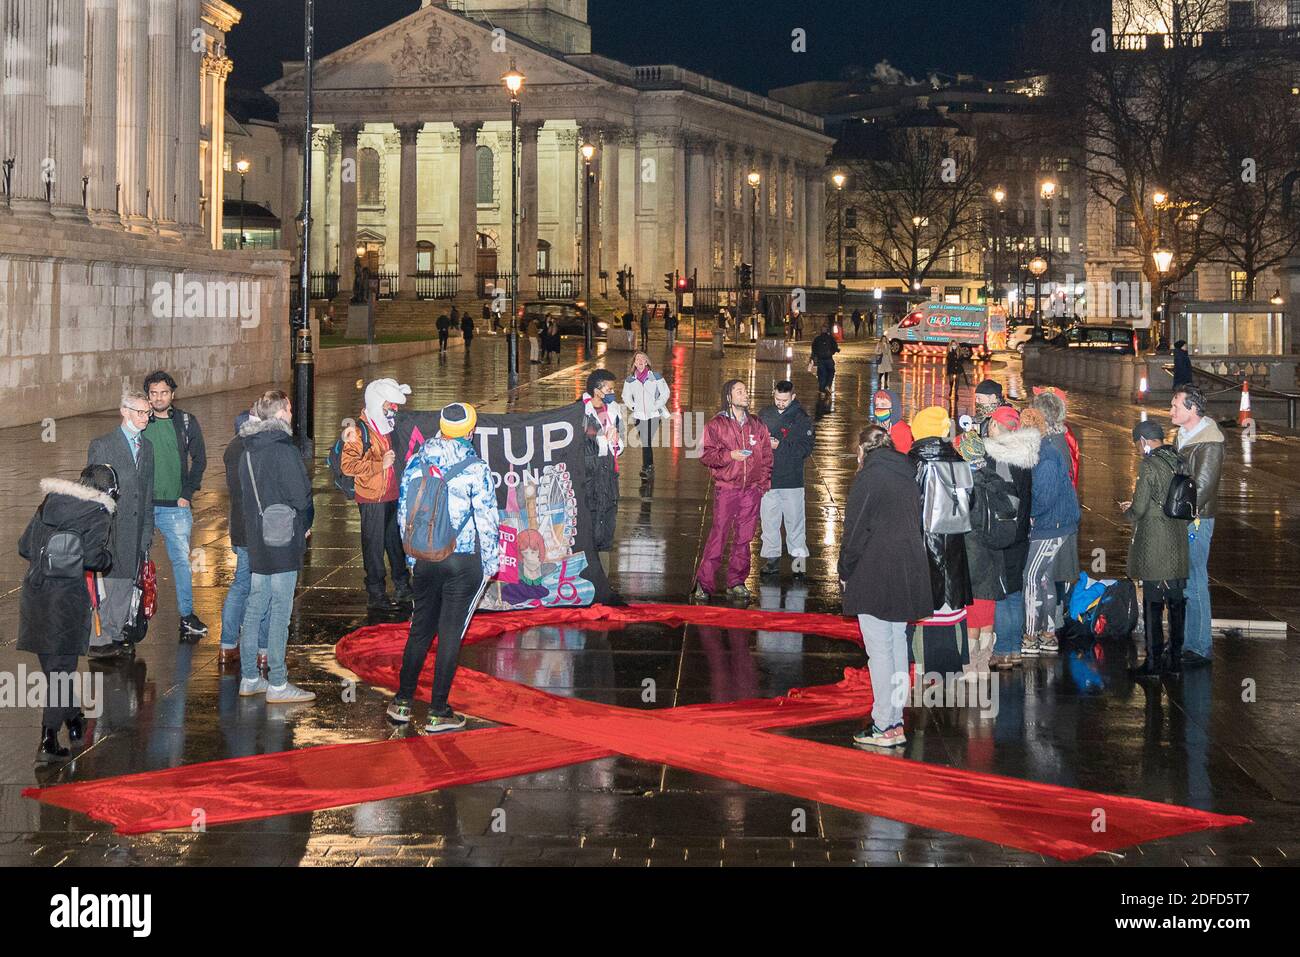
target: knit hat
971 447
989 387
1148 430
457 420
1031 418
1007 417
931 422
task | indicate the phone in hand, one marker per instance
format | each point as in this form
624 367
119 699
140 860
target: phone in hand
746 452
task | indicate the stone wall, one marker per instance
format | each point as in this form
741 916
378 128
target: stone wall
85 312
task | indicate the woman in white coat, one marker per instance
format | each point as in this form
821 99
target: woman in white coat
645 397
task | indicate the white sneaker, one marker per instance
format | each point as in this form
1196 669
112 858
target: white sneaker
288 694
252 686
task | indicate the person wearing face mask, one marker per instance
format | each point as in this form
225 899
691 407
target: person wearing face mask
887 412
1158 556
988 399
370 460
130 455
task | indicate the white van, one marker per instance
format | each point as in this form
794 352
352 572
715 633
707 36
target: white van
937 324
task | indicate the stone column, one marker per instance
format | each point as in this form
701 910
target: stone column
468 207
67 103
290 189
189 66
133 114
348 174
727 159
800 227
320 244
26 51
528 208
407 211
745 163
676 201
762 275
699 207
162 116
609 180
815 207
101 140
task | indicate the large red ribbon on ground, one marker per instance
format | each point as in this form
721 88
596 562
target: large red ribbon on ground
550 731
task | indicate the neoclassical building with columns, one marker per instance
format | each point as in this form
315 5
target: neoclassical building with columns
411 163
111 124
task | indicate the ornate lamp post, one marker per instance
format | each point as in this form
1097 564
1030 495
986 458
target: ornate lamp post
1047 189
243 166
999 196
304 363
1038 266
754 179
839 179
514 83
588 151
1164 259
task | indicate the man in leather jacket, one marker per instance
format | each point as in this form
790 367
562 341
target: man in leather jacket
1201 444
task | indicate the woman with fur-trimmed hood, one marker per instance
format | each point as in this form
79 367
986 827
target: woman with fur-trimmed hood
56 613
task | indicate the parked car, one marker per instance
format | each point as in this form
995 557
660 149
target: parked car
571 318
1018 336
1118 339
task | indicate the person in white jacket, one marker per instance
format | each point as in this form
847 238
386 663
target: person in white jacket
645 397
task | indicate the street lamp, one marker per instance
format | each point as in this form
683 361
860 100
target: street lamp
304 363
243 166
999 196
1038 266
754 180
1047 189
588 151
1277 298
839 179
1164 259
514 83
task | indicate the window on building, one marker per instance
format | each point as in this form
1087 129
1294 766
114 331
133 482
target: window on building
1063 244
850 217
486 174
227 157
851 259
543 256
1187 287
368 177
1128 275
1063 219
1063 164
1293 13
1241 14
424 256
1125 224
1236 285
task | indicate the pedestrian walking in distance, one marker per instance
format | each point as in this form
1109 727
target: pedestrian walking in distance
645 398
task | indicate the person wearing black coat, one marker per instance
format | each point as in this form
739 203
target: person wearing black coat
467 330
885 575
1013 452
444 332
130 455
232 609
1182 364
271 473
824 348
55 613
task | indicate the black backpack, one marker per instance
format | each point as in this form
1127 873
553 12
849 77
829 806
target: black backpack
1180 497
346 483
994 511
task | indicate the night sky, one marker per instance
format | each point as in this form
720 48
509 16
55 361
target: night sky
744 42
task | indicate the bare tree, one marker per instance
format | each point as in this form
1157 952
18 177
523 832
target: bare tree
1247 152
919 196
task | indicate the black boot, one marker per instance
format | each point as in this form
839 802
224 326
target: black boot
1152 618
771 567
76 727
50 750
1177 620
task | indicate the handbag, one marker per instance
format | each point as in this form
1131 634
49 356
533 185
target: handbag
148 588
277 520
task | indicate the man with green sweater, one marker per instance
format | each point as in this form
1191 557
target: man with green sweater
179 461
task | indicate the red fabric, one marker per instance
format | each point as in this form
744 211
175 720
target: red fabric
551 731
724 435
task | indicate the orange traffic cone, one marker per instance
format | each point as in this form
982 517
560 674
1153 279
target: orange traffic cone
1243 414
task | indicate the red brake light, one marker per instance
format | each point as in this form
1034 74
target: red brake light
912 320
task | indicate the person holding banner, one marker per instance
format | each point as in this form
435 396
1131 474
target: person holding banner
604 426
448 591
738 451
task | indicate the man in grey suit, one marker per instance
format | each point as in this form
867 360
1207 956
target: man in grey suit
129 452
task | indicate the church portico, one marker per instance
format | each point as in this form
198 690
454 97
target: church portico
413 143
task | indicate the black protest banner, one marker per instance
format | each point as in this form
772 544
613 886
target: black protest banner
537 464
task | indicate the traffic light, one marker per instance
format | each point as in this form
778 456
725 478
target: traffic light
622 284
683 283
669 278
746 276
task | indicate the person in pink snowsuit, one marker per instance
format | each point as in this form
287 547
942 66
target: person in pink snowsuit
738 451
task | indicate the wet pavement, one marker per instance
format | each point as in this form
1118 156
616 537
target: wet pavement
1199 744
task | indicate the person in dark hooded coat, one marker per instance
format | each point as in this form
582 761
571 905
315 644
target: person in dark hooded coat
55 613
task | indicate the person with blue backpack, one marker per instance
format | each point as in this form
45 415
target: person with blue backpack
447 512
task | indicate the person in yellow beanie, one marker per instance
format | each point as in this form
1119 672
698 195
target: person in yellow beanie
931 423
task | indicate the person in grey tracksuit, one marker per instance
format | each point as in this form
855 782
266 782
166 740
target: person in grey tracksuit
791 429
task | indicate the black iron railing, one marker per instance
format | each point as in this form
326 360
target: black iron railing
560 285
436 284
324 285
486 284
